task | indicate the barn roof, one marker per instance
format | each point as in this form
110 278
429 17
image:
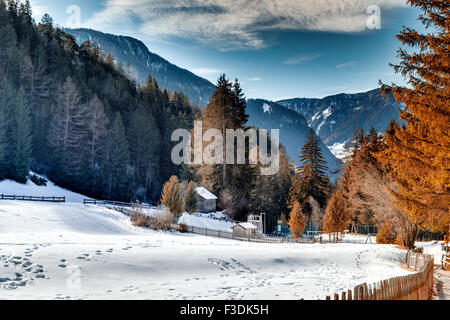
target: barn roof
246 225
205 194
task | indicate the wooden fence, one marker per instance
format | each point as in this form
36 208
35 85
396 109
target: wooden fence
417 286
33 198
114 203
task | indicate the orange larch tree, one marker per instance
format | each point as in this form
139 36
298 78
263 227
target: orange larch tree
337 215
296 221
417 153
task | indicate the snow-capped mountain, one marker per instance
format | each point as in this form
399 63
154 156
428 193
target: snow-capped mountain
143 63
336 119
293 129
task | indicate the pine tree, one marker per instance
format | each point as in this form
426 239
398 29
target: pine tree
311 178
171 196
239 116
418 153
20 139
117 161
9 53
296 221
144 145
6 101
337 216
190 200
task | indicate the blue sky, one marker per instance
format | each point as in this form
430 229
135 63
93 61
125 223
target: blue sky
277 48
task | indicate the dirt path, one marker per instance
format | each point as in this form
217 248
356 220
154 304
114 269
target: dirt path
441 284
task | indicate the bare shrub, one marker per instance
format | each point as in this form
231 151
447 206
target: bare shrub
160 221
316 213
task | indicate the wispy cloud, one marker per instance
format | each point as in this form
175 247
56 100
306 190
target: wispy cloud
302 58
255 79
234 24
346 64
204 72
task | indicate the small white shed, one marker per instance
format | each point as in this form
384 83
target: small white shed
207 202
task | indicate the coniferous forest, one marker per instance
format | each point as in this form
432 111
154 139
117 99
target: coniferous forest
72 113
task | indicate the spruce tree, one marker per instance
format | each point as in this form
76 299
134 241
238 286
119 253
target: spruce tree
145 142
418 152
117 161
20 139
190 200
311 179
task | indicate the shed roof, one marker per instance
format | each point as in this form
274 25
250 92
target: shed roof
246 225
205 194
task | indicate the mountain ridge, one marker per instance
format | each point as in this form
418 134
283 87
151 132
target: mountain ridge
337 118
143 63
293 130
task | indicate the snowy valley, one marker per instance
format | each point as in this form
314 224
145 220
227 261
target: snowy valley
76 251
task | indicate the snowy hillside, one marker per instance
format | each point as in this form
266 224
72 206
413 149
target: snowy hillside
9 187
73 251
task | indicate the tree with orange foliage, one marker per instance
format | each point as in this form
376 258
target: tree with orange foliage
337 216
296 220
171 196
417 154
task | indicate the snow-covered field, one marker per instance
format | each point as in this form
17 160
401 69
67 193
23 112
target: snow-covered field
73 251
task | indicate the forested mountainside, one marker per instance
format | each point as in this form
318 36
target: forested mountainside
70 112
140 62
336 119
293 129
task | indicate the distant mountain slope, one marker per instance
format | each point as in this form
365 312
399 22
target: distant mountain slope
337 118
293 128
144 63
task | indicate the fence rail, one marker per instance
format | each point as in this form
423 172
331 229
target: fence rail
32 198
114 203
418 286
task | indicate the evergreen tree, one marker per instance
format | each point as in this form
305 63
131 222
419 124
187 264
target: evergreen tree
9 52
7 105
20 139
171 196
296 221
311 179
144 145
418 153
239 115
117 159
190 200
